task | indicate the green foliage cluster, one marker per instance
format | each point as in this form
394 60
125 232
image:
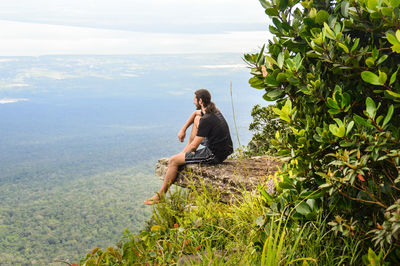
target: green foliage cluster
184 224
195 228
332 68
264 126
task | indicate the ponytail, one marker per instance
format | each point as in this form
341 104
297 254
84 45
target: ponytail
211 108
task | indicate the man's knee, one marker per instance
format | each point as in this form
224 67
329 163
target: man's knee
177 159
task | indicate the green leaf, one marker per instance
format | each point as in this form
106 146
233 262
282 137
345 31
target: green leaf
282 115
344 47
393 77
370 107
387 11
285 185
370 77
283 4
398 35
345 100
349 127
375 53
338 131
265 194
392 39
303 208
376 15
287 108
339 122
359 120
370 62
382 77
270 80
297 60
345 144
256 83
333 111
332 104
382 59
322 16
325 185
394 3
280 60
329 32
317 195
388 115
345 9
272 12
396 48
392 93
372 4
261 57
274 94
372 258
378 120
264 3
281 77
277 23
355 45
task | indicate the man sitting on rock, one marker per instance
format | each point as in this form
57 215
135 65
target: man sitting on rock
210 129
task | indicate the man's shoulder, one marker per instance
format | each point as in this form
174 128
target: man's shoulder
208 117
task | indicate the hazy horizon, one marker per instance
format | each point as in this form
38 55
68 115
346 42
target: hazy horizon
47 27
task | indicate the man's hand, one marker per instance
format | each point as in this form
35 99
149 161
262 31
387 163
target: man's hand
181 135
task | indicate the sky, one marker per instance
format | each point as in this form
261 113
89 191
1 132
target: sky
111 27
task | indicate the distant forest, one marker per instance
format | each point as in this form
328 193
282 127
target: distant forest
77 158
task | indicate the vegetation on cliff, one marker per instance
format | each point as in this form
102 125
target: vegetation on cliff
332 69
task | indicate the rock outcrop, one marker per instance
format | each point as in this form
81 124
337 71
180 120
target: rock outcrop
229 177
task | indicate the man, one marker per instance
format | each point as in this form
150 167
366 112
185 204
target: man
210 129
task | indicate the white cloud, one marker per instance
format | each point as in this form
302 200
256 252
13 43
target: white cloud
176 93
16 85
129 75
12 100
134 12
3 60
30 39
233 66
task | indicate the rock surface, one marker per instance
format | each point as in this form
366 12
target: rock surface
229 177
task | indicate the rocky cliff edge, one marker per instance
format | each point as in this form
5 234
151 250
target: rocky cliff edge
229 177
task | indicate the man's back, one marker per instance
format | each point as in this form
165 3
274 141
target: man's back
213 126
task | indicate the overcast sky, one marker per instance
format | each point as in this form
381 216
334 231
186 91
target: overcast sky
130 26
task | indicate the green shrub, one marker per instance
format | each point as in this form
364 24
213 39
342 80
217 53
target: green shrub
332 68
264 126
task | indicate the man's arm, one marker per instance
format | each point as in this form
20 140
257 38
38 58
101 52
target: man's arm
192 146
182 132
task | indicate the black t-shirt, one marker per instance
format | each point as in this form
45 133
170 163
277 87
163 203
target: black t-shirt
213 126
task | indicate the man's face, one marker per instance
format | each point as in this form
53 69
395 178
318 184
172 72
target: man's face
196 103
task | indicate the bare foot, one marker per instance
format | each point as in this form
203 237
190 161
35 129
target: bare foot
153 200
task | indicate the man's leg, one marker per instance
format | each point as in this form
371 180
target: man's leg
174 162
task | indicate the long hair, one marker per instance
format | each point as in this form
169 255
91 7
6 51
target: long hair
205 96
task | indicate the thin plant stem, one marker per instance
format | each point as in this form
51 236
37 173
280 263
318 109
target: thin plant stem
234 118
